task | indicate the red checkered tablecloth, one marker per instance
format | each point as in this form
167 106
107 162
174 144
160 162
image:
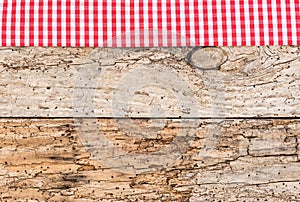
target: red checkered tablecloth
147 23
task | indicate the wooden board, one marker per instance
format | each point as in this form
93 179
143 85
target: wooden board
83 124
44 160
51 82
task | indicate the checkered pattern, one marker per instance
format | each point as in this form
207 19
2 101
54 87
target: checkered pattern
147 23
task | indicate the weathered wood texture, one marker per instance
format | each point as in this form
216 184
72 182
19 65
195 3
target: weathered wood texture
253 160
250 155
46 82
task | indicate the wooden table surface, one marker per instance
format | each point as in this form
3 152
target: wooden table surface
239 123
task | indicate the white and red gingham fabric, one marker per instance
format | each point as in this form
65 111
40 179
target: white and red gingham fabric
147 23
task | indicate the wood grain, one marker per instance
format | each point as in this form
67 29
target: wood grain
238 124
52 82
44 160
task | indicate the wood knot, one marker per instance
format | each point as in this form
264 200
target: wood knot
207 58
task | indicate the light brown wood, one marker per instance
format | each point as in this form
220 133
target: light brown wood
51 82
248 151
45 160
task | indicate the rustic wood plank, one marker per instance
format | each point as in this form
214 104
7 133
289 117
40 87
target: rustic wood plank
220 159
49 82
44 160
